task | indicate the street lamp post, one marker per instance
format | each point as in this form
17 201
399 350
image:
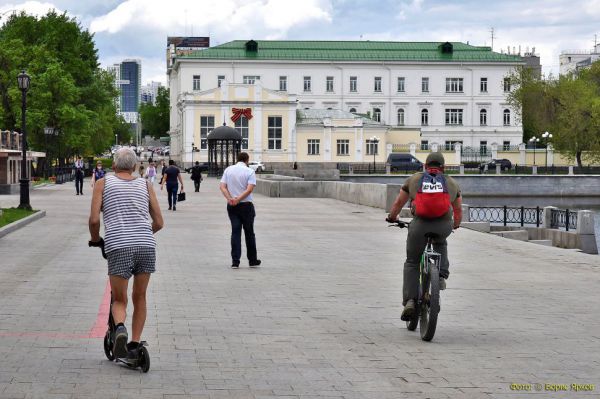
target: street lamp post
23 80
534 140
116 140
374 144
48 131
547 136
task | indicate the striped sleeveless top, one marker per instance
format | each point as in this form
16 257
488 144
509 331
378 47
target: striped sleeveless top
126 214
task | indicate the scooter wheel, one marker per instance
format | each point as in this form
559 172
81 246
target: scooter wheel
108 347
144 359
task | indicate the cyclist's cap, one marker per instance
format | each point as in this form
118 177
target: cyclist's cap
435 158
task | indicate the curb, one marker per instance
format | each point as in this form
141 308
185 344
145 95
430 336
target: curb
21 223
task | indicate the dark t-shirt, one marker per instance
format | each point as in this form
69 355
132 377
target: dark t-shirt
171 174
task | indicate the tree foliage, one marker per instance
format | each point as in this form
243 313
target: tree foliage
68 90
155 117
567 107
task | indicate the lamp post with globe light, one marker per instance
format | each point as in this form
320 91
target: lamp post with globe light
23 81
534 140
374 144
546 136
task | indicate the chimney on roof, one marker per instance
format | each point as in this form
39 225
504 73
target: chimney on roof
252 46
446 48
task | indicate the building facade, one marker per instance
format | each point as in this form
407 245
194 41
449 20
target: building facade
572 61
149 93
449 92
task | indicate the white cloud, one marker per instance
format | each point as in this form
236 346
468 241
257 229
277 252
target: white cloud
409 7
36 8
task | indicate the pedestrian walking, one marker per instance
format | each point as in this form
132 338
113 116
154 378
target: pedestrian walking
151 172
141 169
163 168
197 176
79 176
131 217
171 177
237 184
98 173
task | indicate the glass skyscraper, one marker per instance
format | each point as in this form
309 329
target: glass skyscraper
131 79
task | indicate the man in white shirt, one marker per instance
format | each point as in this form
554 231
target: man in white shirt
79 176
237 184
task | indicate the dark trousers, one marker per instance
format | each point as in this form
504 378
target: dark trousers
172 194
242 216
197 184
415 245
79 181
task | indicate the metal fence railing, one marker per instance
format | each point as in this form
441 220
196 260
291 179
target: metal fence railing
362 167
563 219
507 215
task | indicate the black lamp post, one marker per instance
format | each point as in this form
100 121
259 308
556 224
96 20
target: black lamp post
534 140
23 80
48 131
547 136
374 144
194 149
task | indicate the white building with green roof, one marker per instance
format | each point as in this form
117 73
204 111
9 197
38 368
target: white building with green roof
451 92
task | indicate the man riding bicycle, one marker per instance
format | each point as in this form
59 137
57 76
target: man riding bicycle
436 206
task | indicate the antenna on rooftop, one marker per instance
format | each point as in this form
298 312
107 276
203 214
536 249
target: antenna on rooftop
493 37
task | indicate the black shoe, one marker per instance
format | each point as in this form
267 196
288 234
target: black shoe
255 263
442 283
120 347
133 351
174 208
409 310
235 265
77 194
169 208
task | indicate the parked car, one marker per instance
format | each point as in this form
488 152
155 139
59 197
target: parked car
505 164
407 162
257 166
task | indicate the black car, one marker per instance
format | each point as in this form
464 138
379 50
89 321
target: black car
404 162
505 164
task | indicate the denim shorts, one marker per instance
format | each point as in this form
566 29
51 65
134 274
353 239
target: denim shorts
127 262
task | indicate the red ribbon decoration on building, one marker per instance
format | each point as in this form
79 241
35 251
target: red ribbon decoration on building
238 112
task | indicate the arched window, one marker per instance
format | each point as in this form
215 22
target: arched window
424 117
400 116
483 117
507 117
377 114
353 110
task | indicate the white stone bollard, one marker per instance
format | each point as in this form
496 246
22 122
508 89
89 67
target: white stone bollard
547 222
387 169
465 213
571 170
462 169
534 170
350 170
586 232
498 169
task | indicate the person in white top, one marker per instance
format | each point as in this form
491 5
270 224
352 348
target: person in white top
237 184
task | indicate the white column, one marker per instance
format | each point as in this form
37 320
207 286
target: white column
522 154
292 139
327 143
258 122
358 144
550 155
413 149
457 153
434 147
188 136
494 151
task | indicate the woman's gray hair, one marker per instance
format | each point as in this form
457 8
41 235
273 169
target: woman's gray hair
125 159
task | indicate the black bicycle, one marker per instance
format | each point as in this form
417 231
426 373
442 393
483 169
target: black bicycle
428 301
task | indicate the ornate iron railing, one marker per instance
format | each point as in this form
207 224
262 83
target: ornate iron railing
563 219
506 215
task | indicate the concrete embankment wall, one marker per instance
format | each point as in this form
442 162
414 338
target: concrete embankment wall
507 186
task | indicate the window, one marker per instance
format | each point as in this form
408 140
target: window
400 85
506 85
483 117
425 85
343 147
283 83
329 84
449 145
242 126
454 85
454 116
400 116
483 85
307 83
353 83
372 147
275 131
424 117
220 79
506 146
377 114
425 145
506 117
250 79
207 124
353 110
196 82
377 84
313 146
483 147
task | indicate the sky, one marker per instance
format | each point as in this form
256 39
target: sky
139 28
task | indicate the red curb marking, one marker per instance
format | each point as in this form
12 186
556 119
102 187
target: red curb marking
97 331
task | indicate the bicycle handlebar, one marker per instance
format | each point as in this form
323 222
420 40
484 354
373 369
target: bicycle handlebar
397 223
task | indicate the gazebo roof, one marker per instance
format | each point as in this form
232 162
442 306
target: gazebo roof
224 133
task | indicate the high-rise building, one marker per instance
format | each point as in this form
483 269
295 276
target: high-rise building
131 84
150 92
572 61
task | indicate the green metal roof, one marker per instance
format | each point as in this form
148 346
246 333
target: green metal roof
350 51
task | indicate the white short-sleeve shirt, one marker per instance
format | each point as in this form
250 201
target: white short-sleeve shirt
237 177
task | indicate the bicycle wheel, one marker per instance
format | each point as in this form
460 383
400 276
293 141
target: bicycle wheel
431 304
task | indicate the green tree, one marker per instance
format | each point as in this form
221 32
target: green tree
155 117
68 90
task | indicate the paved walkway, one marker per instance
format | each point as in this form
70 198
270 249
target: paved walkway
320 319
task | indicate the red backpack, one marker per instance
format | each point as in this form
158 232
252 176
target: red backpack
432 200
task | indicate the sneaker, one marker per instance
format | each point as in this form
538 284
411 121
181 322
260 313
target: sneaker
409 310
235 265
120 347
174 208
442 283
133 351
169 208
255 263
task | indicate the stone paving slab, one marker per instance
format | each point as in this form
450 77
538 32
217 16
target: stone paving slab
320 319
